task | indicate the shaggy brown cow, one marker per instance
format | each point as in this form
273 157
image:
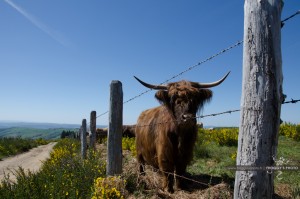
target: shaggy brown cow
165 135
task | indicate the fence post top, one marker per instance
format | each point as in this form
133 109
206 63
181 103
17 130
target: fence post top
115 82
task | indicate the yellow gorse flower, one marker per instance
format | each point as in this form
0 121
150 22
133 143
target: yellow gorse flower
109 188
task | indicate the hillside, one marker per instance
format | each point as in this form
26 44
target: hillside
36 130
32 133
8 124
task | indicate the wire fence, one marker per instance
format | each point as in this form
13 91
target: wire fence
200 63
208 115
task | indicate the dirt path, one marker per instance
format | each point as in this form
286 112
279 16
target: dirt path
31 160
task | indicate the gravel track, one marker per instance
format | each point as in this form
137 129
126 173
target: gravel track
31 160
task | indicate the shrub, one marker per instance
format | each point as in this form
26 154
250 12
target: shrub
111 187
129 144
222 136
64 175
290 130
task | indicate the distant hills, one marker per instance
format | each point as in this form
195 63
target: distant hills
35 130
8 124
31 133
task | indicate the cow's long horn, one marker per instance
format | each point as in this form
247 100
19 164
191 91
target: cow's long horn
209 85
156 87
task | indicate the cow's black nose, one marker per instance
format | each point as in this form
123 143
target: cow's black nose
186 117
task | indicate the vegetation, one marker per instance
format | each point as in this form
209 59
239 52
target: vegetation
64 175
111 187
13 146
290 130
68 134
67 175
129 144
216 150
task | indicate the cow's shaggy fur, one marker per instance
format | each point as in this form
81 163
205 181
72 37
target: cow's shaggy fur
165 135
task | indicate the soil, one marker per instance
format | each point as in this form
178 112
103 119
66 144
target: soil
31 160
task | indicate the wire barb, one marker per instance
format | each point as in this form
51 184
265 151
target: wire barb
288 18
292 101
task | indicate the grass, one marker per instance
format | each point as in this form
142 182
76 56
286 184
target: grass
289 153
211 158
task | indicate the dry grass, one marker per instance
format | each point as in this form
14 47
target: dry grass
283 191
149 185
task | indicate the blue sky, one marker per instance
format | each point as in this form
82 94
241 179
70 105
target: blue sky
58 58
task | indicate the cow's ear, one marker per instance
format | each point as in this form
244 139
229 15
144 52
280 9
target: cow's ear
162 96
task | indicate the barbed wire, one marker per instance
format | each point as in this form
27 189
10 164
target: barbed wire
288 18
292 101
181 73
199 63
216 114
208 115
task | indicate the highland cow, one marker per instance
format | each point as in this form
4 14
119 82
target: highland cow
166 135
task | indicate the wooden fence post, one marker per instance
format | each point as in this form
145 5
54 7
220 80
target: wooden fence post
261 99
83 138
114 142
93 130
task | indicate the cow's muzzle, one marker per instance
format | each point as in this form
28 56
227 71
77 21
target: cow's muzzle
187 117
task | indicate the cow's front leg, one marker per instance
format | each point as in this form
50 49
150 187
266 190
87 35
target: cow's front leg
168 182
141 162
179 174
167 168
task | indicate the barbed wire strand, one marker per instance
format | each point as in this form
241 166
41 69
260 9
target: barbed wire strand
292 101
198 64
208 115
288 18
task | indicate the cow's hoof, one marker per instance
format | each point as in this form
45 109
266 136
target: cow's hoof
169 189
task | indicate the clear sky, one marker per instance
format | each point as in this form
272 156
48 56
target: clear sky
58 58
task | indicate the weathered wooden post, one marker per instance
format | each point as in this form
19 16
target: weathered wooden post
114 142
93 130
83 138
261 99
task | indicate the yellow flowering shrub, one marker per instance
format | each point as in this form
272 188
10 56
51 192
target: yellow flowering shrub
129 144
68 175
111 187
290 130
65 150
222 136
